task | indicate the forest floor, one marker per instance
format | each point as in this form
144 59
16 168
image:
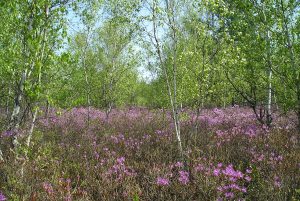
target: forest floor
133 155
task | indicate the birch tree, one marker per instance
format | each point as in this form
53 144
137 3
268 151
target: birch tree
163 15
37 26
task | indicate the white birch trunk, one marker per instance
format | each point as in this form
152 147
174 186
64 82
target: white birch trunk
269 111
1 156
269 63
172 96
39 82
7 103
32 127
88 100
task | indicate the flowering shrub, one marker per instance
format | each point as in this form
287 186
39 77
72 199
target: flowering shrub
161 181
184 177
133 154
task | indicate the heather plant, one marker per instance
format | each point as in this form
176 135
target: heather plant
132 155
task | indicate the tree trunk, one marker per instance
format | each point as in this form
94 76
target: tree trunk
269 107
108 110
47 109
32 127
87 95
269 67
172 96
7 103
39 81
14 122
88 100
1 156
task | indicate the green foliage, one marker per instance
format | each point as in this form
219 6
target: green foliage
224 53
136 197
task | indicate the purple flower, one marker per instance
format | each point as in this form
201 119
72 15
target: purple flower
233 179
2 197
159 132
220 133
277 182
7 133
261 157
229 195
217 172
280 158
247 178
199 168
229 171
249 171
251 130
179 164
161 181
220 188
47 187
184 177
234 186
121 160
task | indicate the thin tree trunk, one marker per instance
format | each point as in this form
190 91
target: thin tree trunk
109 95
39 82
87 95
1 156
88 100
269 72
15 116
14 122
108 110
173 105
269 107
7 103
171 17
47 109
32 127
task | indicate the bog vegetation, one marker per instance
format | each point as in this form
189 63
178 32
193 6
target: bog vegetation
149 100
